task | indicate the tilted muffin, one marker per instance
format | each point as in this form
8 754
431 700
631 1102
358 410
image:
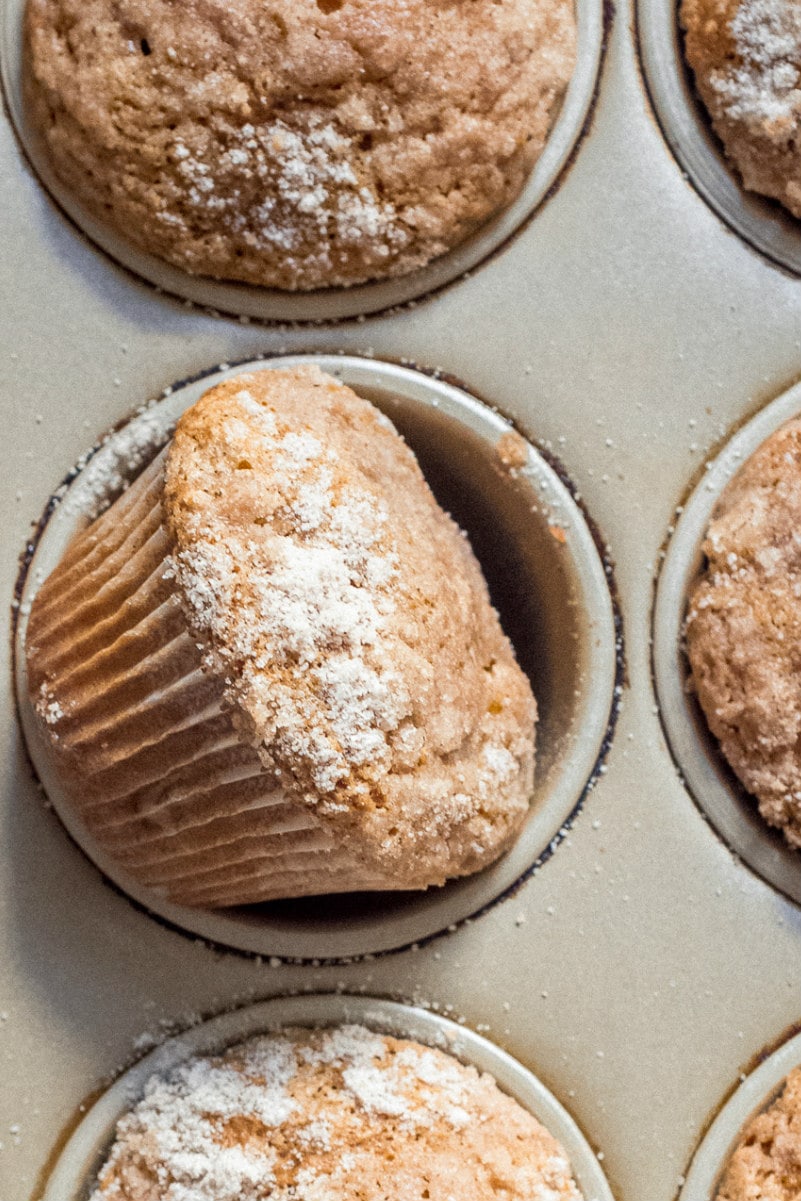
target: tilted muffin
272 669
744 628
766 1164
296 143
746 55
331 1116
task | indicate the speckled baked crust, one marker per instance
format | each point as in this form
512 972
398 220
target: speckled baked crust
272 667
746 55
345 1115
766 1164
744 628
296 143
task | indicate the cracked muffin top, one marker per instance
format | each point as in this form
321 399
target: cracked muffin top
296 143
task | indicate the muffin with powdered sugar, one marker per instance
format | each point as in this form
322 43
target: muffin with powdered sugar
296 144
331 1115
272 668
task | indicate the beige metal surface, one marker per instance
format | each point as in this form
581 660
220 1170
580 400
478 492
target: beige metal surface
642 966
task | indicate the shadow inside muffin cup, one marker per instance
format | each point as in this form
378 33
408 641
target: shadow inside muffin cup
717 791
546 579
687 127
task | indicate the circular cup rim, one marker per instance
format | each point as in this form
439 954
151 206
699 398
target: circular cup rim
760 222
432 912
332 304
79 1159
752 1095
710 781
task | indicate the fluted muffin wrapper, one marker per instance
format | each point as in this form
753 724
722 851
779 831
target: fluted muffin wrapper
139 737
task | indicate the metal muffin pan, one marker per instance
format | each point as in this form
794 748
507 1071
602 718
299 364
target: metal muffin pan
547 579
77 1165
707 774
325 304
687 126
642 967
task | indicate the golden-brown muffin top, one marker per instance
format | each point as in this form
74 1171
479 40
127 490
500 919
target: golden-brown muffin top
348 618
338 1115
296 143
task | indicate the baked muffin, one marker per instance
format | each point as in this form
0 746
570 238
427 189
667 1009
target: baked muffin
272 668
331 1116
766 1164
744 628
296 144
746 55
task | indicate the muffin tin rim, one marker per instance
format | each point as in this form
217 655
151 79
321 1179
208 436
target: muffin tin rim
463 899
569 128
713 786
760 222
81 1155
755 1092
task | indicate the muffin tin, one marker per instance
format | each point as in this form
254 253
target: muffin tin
641 968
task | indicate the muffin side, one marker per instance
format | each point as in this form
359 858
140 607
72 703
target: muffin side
296 145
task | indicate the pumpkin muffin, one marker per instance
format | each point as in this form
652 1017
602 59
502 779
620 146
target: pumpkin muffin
766 1164
272 668
746 55
744 628
296 144
331 1116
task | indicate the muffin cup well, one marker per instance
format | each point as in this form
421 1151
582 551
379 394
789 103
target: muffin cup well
327 304
731 810
546 577
687 128
755 1093
82 1156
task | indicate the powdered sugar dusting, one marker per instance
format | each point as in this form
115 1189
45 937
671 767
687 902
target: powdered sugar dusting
762 87
309 192
303 623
